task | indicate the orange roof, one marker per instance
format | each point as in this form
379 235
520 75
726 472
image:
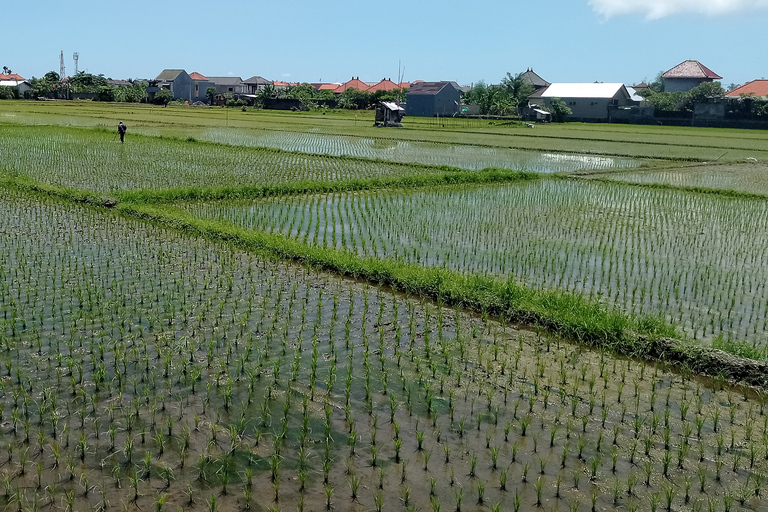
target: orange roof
12 76
197 76
327 87
355 83
754 88
384 85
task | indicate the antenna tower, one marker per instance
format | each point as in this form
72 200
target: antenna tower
62 70
75 56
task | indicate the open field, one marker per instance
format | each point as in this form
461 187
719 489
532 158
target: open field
185 355
146 369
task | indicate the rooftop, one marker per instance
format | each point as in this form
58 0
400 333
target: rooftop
581 90
691 69
753 88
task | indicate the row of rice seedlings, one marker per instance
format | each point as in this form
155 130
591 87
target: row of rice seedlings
90 160
747 178
463 156
202 378
695 259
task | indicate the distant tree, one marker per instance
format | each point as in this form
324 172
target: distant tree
7 93
492 99
210 93
559 110
163 96
518 89
658 84
355 99
702 93
301 92
52 77
732 87
265 93
86 82
46 86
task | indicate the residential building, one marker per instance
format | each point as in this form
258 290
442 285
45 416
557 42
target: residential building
200 86
535 80
587 101
429 99
255 84
22 86
228 84
755 88
687 75
354 83
177 81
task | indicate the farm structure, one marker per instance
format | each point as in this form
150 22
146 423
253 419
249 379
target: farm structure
587 101
389 113
430 99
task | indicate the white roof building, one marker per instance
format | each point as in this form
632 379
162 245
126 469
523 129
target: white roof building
582 90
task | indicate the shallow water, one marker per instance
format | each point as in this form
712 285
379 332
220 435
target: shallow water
464 156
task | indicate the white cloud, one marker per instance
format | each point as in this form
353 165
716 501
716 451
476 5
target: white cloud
655 9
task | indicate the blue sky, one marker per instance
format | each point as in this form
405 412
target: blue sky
562 40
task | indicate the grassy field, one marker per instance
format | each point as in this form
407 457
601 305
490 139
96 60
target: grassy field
352 333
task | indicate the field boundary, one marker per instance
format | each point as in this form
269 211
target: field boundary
724 192
462 177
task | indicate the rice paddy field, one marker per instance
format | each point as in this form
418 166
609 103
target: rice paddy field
313 350
747 178
696 259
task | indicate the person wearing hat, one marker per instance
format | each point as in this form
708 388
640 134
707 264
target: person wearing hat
121 128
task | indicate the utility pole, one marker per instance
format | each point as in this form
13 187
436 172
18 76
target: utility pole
62 70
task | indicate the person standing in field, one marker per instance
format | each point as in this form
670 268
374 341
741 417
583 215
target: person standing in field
121 128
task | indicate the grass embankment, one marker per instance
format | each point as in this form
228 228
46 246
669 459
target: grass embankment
449 177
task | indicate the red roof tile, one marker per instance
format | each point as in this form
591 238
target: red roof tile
12 76
197 76
691 69
355 83
384 85
755 88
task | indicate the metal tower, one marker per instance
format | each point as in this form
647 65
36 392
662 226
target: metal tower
75 56
62 70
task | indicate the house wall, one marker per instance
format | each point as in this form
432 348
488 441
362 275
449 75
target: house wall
429 105
236 89
682 84
183 87
590 109
201 86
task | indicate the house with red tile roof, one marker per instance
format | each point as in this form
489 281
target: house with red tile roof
12 76
384 85
687 75
755 88
201 83
354 83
